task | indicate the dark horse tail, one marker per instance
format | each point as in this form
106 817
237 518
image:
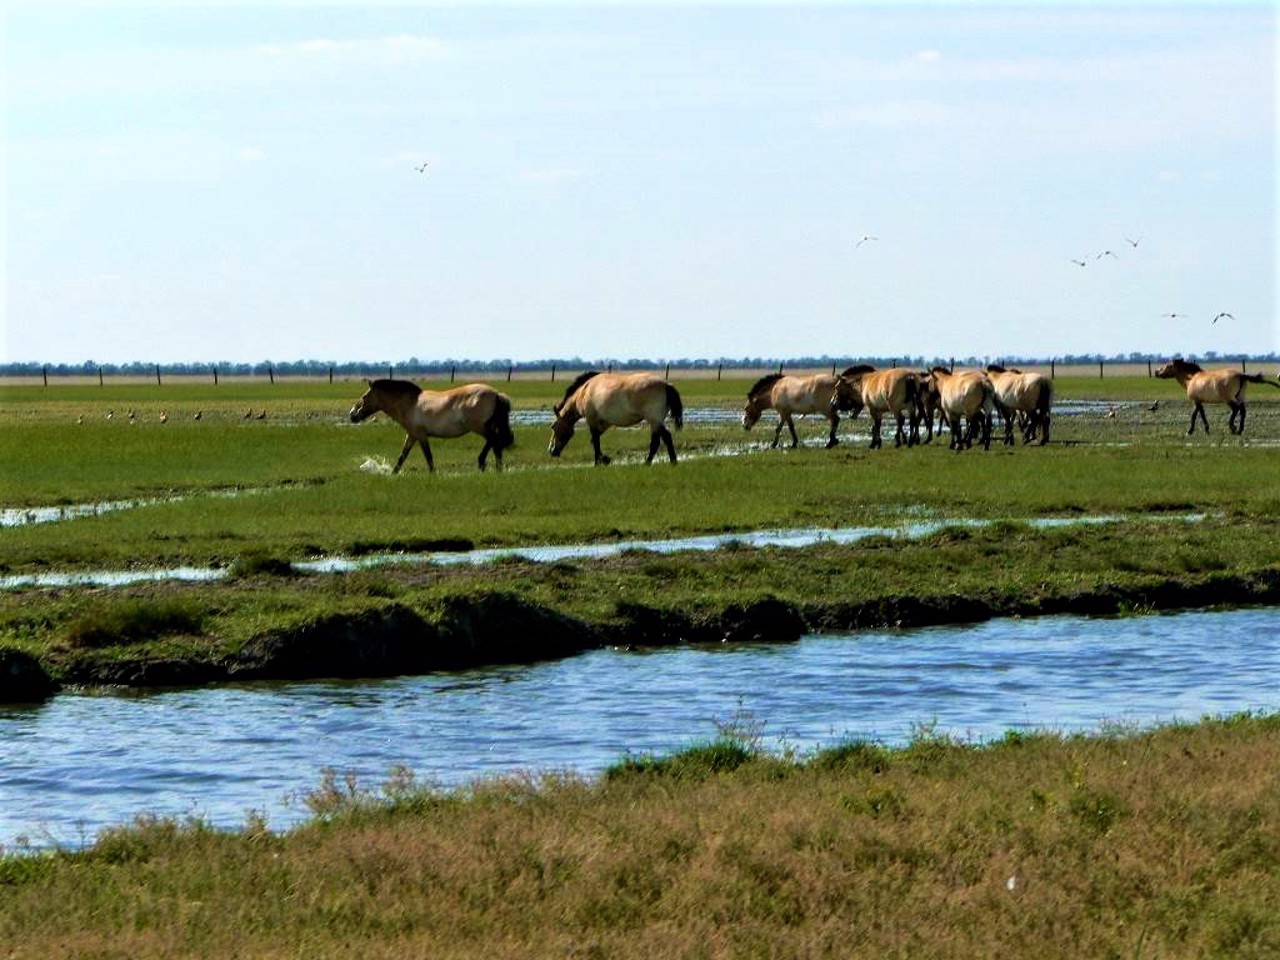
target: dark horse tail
497 428
676 406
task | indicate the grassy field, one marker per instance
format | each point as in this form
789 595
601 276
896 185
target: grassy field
249 495
1121 845
1153 844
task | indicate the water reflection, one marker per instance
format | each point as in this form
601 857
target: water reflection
94 758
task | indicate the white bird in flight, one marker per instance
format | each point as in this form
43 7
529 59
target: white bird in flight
1221 315
1080 263
865 237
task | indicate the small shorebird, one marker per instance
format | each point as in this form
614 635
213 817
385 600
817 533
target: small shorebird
198 415
164 417
1111 412
261 416
1155 405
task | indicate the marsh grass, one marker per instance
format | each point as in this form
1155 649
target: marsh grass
1152 843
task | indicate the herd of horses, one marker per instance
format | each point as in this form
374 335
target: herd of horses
967 402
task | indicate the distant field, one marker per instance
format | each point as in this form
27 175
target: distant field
1106 370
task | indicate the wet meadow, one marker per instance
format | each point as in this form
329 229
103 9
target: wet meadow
1133 843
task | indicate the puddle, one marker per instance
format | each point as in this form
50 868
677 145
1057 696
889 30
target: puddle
551 553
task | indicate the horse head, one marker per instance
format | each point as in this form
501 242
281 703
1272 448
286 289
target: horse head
759 399
847 395
1177 367
561 431
366 406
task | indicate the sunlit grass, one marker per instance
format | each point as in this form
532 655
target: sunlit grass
1135 844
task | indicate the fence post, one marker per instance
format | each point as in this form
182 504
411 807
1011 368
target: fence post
510 369
1099 369
331 373
453 372
1053 373
45 372
271 373
719 370
215 374
668 374
157 374
553 373
1244 365
99 375
779 367
1148 368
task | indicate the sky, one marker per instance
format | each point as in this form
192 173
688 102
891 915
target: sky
240 181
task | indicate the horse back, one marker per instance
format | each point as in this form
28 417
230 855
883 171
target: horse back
892 390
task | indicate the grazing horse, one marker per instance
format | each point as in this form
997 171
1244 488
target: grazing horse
607 400
790 395
1212 386
967 394
471 408
894 392
1019 393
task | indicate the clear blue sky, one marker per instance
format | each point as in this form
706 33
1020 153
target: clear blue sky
237 181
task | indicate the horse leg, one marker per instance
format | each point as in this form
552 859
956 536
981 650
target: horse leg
601 459
795 440
1241 430
875 430
655 439
1199 410
484 453
778 432
899 437
404 453
667 439
1044 428
835 422
426 452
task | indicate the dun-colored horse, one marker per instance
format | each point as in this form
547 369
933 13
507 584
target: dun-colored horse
1212 386
607 400
967 395
791 395
472 408
1018 394
894 392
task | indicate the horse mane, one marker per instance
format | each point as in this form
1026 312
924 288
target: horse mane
764 383
395 386
573 388
1186 366
940 369
995 368
857 370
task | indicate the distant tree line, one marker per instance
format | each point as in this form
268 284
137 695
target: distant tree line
427 368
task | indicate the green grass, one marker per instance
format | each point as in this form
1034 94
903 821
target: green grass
1158 843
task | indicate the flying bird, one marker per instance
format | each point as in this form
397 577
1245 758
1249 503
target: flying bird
1132 243
1221 315
422 167
865 237
1080 263
1173 316
1106 253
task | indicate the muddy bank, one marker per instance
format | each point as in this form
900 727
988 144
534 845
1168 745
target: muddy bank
493 628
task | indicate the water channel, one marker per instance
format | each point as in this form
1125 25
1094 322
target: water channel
94 758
